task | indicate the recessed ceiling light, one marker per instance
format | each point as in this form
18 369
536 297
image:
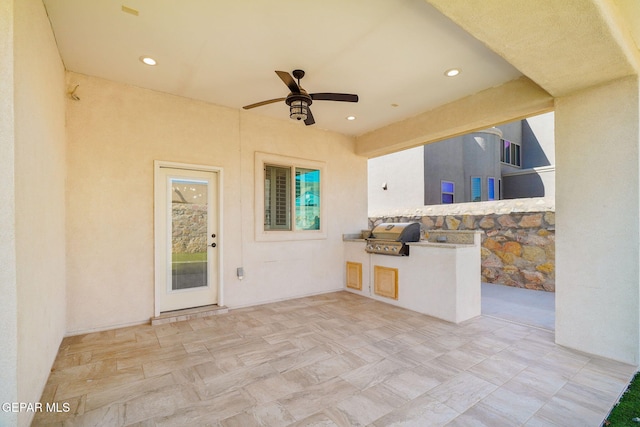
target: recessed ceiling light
148 60
351 117
452 72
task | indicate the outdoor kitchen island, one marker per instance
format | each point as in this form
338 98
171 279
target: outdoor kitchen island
440 276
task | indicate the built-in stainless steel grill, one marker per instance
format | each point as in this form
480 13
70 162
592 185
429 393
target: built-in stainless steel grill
391 238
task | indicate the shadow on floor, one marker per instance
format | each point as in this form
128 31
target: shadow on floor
525 306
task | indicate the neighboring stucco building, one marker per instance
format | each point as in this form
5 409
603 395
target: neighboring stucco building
463 169
396 180
514 160
535 176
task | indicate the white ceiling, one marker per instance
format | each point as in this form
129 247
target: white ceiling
225 52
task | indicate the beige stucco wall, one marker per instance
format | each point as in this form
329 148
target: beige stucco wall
276 270
597 159
8 289
34 173
115 132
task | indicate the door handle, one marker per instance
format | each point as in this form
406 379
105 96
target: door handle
213 235
213 245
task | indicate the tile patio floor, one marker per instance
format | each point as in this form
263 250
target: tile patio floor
334 359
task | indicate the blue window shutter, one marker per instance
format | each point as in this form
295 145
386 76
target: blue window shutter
476 189
491 188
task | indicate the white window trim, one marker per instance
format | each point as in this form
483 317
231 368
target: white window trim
262 235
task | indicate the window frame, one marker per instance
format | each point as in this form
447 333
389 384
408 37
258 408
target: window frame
512 155
262 160
452 193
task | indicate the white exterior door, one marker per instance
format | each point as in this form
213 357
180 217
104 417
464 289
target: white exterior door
187 237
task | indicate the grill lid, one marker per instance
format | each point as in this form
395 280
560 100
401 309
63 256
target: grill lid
397 231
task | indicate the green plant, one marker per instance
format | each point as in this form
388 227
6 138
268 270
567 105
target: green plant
627 411
189 257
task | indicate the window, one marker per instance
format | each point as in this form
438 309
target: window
476 189
491 188
288 198
277 199
447 189
510 153
307 199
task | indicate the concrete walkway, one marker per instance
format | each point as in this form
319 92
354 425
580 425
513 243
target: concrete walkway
525 306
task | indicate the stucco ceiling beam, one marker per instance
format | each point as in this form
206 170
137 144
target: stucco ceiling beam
563 46
514 100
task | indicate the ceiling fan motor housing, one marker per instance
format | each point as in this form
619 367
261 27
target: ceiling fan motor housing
298 97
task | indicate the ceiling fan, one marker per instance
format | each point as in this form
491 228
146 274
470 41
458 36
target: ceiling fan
299 100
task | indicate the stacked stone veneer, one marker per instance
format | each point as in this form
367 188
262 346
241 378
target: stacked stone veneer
518 243
189 228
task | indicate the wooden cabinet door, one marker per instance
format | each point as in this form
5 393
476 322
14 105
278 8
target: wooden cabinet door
385 281
354 275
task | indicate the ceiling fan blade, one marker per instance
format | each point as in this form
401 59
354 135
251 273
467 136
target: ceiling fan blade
259 104
343 97
309 120
288 80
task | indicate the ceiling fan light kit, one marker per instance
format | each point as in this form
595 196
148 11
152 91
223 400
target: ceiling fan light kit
299 100
298 106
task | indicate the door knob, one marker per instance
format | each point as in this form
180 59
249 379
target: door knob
213 245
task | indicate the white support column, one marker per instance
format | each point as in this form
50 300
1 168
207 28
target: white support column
598 220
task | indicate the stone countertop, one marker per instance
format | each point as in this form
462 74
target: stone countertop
459 237
426 243
356 237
